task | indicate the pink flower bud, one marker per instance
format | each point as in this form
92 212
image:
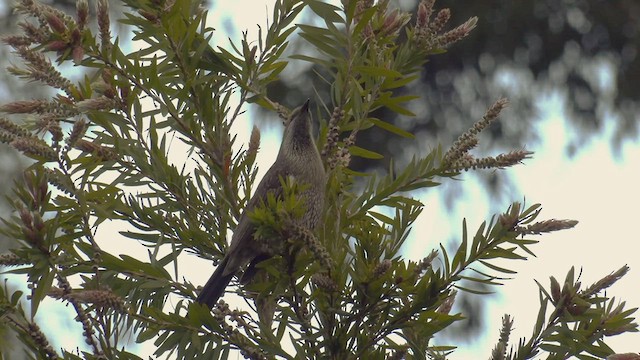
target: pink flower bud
55 23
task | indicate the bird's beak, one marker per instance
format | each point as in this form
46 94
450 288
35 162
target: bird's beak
305 107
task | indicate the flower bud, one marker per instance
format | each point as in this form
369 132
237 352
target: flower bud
56 24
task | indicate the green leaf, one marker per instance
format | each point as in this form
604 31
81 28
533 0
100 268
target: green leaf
497 268
391 128
472 291
385 219
447 264
389 83
499 252
41 290
461 254
324 63
326 11
322 39
364 153
15 297
377 71
146 334
365 17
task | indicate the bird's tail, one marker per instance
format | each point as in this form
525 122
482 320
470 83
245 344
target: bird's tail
214 288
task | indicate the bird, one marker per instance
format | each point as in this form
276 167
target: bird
298 158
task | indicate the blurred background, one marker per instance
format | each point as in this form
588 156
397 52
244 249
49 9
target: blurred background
572 73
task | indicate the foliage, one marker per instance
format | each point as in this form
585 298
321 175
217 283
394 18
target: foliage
342 292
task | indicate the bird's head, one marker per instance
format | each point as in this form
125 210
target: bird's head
297 133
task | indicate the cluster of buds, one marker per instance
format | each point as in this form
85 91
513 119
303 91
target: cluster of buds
301 233
11 259
511 220
57 31
381 268
51 125
99 298
101 152
500 350
88 330
572 300
333 133
338 155
104 86
569 298
380 29
427 33
104 23
59 181
447 304
238 317
220 311
469 139
382 23
53 30
48 120
399 354
33 228
247 348
254 144
30 210
98 103
40 69
606 281
467 162
546 226
624 356
342 157
388 25
325 282
33 330
77 132
158 7
393 22
9 131
458 158
37 107
361 7
426 262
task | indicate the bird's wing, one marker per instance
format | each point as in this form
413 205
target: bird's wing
242 249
